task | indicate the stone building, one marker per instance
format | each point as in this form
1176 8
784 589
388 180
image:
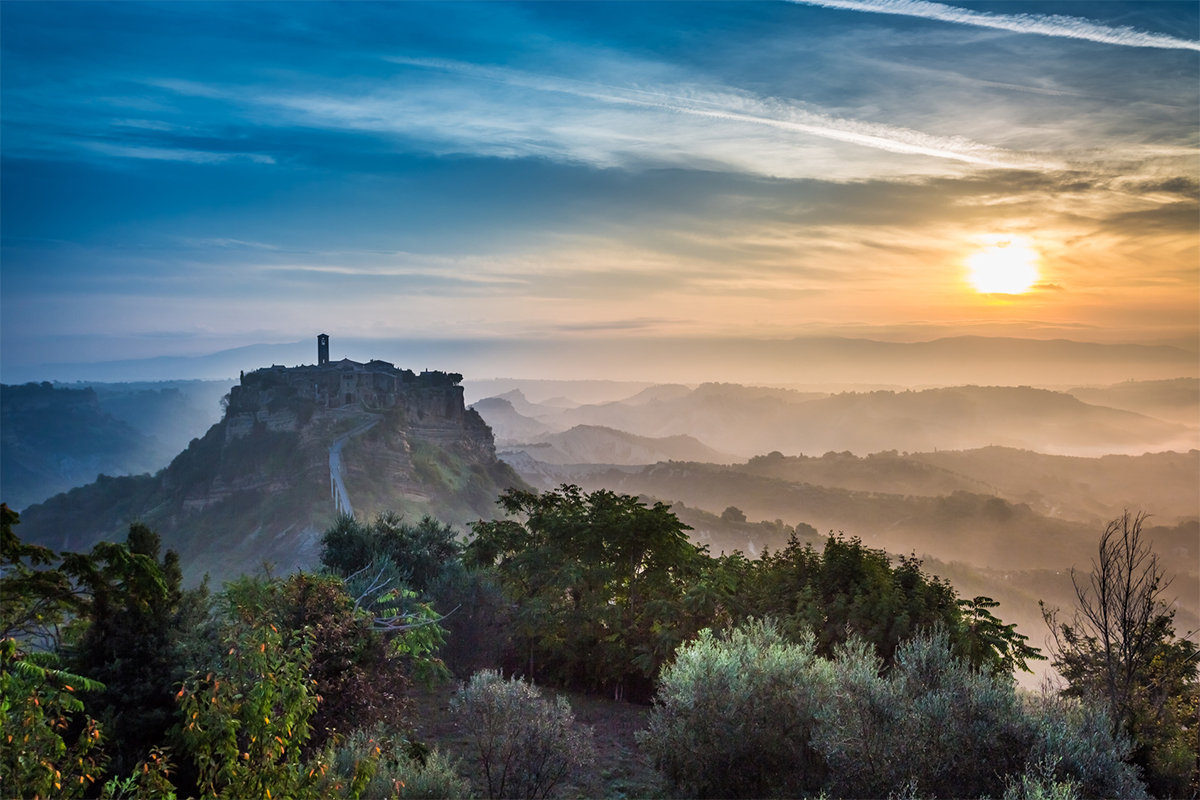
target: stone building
278 392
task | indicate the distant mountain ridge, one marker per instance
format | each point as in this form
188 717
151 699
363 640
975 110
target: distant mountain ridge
815 359
753 420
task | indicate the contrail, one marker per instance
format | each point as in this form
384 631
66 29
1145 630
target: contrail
1046 25
880 137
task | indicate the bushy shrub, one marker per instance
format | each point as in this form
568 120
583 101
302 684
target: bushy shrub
1073 743
750 714
397 769
246 725
734 715
933 724
528 746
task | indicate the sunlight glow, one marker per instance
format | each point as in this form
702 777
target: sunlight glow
1006 266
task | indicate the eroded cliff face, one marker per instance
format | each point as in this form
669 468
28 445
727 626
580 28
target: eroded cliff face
257 486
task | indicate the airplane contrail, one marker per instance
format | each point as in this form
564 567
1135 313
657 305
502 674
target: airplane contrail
1043 24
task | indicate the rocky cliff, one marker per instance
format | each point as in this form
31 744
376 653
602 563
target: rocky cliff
258 485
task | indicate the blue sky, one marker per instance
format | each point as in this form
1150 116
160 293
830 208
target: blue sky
181 178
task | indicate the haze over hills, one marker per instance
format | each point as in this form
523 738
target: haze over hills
1176 400
52 439
817 359
594 444
751 420
61 436
174 412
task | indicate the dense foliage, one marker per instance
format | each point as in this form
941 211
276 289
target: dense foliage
750 714
851 589
734 716
110 670
606 588
837 671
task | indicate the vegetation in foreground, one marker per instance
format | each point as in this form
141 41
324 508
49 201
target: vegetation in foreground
801 673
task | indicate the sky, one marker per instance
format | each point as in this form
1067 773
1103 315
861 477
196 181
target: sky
182 178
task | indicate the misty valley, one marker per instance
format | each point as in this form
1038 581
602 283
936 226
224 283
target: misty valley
594 564
756 399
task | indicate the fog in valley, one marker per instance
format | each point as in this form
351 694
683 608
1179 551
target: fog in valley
570 400
1002 490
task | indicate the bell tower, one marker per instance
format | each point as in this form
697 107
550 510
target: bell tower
322 349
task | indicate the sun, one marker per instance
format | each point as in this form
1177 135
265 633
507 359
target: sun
1006 266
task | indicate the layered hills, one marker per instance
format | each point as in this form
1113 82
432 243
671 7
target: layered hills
595 444
1003 490
59 436
1176 400
52 439
258 486
752 420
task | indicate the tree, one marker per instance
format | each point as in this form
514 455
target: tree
360 673
848 589
245 726
34 602
733 514
126 639
41 753
419 552
932 726
987 642
597 580
1120 646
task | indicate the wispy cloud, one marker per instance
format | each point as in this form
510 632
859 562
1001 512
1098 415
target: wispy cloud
1043 24
745 108
174 154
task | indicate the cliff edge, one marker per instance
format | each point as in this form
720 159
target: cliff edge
260 484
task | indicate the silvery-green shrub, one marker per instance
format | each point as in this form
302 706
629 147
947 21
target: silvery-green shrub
932 726
734 715
1073 739
527 746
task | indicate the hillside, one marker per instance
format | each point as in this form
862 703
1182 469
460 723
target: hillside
1088 489
1070 487
52 439
975 528
1176 400
594 444
507 423
257 485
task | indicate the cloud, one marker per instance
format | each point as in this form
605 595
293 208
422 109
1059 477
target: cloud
1045 25
174 154
744 107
